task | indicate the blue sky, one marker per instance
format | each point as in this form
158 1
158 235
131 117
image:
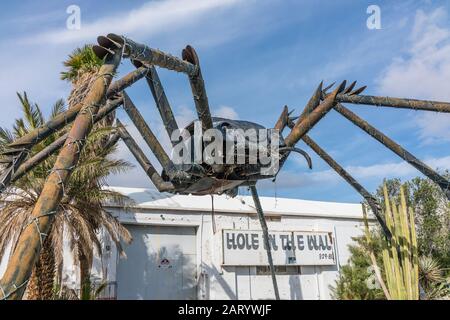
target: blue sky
256 57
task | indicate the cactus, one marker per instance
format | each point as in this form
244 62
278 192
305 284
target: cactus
400 256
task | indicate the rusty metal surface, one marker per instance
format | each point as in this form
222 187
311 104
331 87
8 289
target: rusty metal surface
149 56
442 182
313 102
162 103
395 102
373 203
304 125
283 120
31 239
262 221
18 151
68 116
198 89
143 161
126 81
145 131
30 163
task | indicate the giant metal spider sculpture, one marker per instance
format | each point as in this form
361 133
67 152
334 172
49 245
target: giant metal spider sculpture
198 179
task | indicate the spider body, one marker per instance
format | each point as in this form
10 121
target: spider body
238 155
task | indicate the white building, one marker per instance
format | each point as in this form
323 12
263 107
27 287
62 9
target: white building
180 248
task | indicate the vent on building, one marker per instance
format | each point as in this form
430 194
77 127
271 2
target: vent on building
279 270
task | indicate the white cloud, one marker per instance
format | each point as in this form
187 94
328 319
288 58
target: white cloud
185 115
226 112
294 179
154 17
396 169
33 62
424 72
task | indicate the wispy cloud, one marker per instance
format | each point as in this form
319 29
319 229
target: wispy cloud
151 18
40 75
289 179
424 72
226 112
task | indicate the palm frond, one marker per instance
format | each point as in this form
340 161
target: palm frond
32 113
19 128
58 107
6 137
81 60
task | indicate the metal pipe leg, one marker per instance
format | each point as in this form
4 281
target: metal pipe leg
198 89
162 103
152 141
18 150
413 104
283 120
265 231
441 181
33 235
313 103
145 131
29 164
373 203
148 56
143 161
306 123
32 162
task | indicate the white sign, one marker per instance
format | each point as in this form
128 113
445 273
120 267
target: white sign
301 248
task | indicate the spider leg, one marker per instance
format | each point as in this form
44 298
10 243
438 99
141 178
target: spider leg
17 151
373 203
414 104
303 122
143 161
28 164
313 103
285 120
313 113
151 140
282 121
265 231
198 89
162 103
443 183
145 131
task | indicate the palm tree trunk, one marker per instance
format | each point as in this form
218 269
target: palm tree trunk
40 286
85 277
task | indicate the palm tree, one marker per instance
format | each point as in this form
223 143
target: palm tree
80 214
81 70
